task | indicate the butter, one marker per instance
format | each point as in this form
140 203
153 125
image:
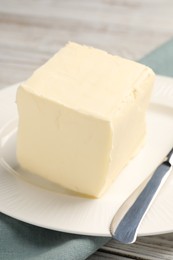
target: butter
82 117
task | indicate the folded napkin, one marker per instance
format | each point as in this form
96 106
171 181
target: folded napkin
161 59
20 241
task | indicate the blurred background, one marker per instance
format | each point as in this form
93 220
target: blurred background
31 31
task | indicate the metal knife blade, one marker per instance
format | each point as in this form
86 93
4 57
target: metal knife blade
125 224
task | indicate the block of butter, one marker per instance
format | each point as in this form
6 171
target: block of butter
82 118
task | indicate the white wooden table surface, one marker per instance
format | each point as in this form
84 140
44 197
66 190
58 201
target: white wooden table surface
32 30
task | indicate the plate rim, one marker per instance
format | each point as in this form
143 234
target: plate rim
156 99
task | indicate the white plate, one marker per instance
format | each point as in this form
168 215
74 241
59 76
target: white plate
56 208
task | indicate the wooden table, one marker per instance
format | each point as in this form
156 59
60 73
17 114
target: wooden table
31 31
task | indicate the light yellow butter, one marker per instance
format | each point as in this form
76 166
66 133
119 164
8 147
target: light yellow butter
82 117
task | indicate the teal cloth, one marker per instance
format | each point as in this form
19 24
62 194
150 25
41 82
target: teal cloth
161 59
20 241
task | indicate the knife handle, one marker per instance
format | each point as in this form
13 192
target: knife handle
126 231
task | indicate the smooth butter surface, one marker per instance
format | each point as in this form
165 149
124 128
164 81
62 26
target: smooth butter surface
82 117
88 79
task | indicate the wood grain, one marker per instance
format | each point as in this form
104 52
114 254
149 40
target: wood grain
31 31
146 248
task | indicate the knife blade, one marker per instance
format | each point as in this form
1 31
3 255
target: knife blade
126 222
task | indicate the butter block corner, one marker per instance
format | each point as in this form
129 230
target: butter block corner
82 118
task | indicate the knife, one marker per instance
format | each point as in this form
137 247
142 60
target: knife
125 224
